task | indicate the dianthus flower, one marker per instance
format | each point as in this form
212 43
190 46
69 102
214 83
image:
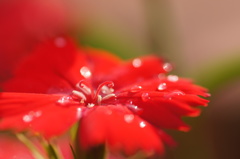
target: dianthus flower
123 104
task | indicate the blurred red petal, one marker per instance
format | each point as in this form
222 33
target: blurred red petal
24 23
37 112
120 129
54 67
11 148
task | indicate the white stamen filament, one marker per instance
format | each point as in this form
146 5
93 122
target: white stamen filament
109 96
99 99
79 94
84 88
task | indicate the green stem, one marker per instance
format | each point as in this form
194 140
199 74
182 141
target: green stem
52 150
30 145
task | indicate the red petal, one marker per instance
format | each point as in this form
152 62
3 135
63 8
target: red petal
12 148
130 72
53 67
164 106
37 112
120 129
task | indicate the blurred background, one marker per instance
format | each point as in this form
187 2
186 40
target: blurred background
201 38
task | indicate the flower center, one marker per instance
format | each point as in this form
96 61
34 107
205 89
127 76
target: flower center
89 97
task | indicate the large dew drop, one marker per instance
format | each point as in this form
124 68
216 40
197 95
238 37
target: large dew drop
85 72
167 67
162 86
142 124
137 63
172 78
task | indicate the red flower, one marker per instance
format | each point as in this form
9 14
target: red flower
123 104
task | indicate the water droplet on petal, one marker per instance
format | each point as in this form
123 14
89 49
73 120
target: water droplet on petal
64 101
130 102
79 113
129 118
142 124
167 67
135 109
31 115
85 72
137 63
162 86
174 93
145 96
135 89
172 78
177 92
27 118
60 42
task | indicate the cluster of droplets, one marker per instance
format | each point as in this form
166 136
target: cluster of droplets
129 119
162 87
31 116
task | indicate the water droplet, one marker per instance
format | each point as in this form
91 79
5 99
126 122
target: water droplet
174 93
137 63
27 118
31 115
79 113
130 102
145 96
135 89
129 118
135 109
162 86
142 124
60 42
167 67
64 101
172 78
85 72
177 92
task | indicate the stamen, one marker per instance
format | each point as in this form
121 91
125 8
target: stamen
108 96
86 95
108 84
82 85
99 99
79 94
